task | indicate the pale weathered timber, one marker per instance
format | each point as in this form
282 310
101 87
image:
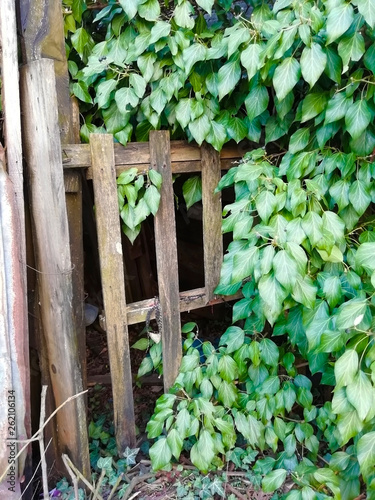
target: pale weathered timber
137 312
113 285
41 30
10 288
212 236
166 258
137 154
13 143
53 261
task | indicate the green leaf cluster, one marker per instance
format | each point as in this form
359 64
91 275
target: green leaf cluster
214 71
138 197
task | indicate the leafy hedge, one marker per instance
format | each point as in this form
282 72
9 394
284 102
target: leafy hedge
217 71
290 391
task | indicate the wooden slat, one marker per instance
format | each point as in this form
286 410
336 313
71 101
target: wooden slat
12 131
112 273
137 312
212 237
53 261
138 154
181 167
166 259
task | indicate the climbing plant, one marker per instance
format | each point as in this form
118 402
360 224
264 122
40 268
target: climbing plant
290 391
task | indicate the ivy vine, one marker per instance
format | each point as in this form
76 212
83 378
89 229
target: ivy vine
290 391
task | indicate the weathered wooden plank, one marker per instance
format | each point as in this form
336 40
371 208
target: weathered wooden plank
10 383
112 273
137 312
138 154
166 259
181 167
74 207
51 242
212 237
13 143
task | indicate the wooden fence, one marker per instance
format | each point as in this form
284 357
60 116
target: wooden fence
104 161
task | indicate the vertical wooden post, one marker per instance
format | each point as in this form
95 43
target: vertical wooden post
212 237
113 285
166 259
74 207
53 261
13 143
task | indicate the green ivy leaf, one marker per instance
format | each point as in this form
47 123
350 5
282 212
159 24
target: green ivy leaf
203 451
250 59
257 101
183 15
304 291
233 338
228 76
365 256
130 7
192 190
103 92
265 203
227 393
337 107
272 295
346 368
124 97
339 20
152 198
285 268
286 77
192 54
149 10
80 90
217 135
146 63
160 454
244 263
359 196
351 48
269 352
367 9
200 128
332 290
357 118
273 480
313 104
299 140
351 312
141 344
360 394
175 443
313 63
206 5
366 453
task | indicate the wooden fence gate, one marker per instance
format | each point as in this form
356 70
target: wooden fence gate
104 161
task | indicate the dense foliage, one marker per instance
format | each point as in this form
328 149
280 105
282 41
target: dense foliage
290 391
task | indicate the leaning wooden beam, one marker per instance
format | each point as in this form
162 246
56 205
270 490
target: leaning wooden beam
138 154
13 142
166 259
51 241
137 312
113 285
212 237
